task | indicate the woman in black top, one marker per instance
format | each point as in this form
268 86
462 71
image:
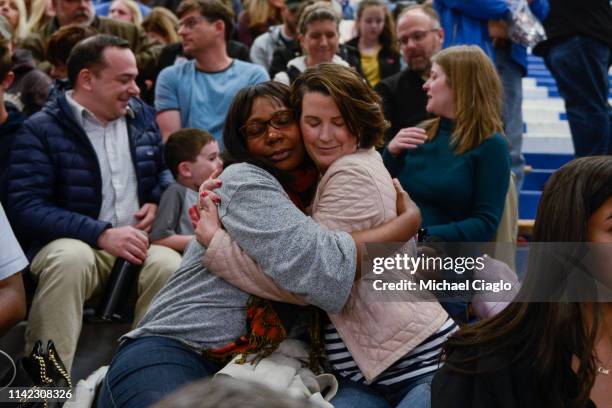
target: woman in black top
553 348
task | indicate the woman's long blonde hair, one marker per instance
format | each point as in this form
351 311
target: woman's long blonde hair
260 11
38 17
477 96
133 7
20 31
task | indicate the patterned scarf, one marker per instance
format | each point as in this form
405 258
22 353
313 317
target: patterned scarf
264 332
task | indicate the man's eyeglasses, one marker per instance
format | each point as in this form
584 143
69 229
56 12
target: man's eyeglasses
191 22
416 37
279 120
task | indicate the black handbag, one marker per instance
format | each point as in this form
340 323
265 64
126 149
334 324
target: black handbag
41 369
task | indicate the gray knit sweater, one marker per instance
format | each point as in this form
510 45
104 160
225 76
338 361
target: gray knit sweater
201 310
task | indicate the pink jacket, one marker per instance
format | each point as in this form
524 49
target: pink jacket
355 193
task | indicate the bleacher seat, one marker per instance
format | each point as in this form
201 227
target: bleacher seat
543 165
549 161
536 178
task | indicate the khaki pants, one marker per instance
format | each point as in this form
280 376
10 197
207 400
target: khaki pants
69 272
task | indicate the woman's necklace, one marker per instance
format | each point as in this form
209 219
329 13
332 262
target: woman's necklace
604 369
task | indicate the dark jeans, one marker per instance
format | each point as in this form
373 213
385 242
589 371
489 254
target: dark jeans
416 394
580 66
147 369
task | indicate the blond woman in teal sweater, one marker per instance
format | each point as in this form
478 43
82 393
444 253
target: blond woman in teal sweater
456 167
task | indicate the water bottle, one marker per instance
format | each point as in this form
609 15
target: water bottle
123 277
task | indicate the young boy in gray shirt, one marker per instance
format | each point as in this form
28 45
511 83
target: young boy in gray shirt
193 156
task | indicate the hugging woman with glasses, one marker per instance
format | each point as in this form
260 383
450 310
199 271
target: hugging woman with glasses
385 353
262 194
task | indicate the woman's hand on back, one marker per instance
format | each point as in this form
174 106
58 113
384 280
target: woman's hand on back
206 190
208 187
403 202
399 229
205 217
209 222
406 138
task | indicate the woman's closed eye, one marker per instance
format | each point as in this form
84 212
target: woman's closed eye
284 120
312 122
256 124
255 128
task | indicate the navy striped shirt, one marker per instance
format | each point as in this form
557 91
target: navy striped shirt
422 360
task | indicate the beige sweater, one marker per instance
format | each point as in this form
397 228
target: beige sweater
355 193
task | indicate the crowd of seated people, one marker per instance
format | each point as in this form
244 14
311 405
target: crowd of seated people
242 155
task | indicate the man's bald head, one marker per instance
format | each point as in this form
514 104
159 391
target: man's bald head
420 36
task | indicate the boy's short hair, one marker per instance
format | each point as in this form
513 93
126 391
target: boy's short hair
63 41
6 61
184 146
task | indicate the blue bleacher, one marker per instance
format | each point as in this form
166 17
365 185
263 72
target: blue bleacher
543 166
539 89
547 160
528 204
535 180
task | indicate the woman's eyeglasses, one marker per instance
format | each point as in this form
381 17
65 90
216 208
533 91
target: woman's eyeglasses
279 120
